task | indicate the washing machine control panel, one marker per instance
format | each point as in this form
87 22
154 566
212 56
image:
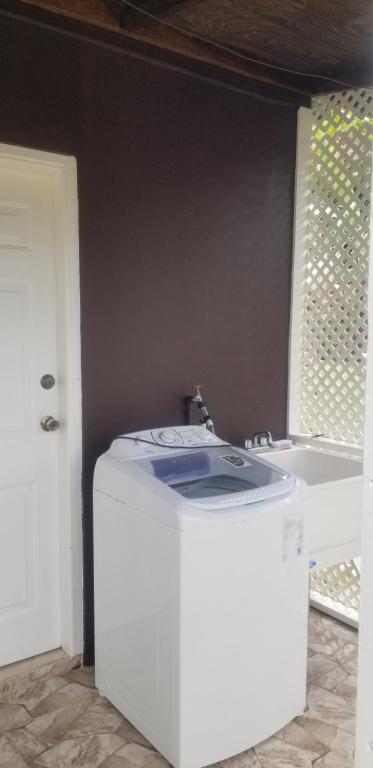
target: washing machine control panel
155 441
188 437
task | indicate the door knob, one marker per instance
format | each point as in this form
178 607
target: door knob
49 424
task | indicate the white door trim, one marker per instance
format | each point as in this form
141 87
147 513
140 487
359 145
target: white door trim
63 171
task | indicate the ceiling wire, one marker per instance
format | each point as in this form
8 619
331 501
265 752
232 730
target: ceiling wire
232 51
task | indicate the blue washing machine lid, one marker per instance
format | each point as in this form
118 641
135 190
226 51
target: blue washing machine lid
219 476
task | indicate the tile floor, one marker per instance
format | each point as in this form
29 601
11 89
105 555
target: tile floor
52 716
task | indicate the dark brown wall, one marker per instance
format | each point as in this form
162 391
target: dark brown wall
185 200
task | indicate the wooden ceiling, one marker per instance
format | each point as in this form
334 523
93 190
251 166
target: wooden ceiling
285 49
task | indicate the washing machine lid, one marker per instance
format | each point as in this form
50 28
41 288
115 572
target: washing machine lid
218 476
199 468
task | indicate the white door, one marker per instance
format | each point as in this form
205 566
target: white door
29 558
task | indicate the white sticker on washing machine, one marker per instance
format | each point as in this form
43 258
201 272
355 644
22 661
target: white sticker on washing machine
292 536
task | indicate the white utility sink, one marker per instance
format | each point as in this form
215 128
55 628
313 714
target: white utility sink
334 501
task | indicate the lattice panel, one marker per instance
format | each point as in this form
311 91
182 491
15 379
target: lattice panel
337 589
336 270
341 583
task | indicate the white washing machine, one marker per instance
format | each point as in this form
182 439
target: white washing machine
201 592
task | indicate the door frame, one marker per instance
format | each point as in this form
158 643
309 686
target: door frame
62 169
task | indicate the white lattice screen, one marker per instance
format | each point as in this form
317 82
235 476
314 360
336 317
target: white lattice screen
333 365
337 590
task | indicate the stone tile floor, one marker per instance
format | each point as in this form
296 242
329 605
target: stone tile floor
53 717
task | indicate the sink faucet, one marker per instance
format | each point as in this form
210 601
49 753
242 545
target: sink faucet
262 439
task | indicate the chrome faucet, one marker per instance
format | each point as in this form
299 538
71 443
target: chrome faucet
262 439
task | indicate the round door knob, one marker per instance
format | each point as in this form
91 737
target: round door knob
49 424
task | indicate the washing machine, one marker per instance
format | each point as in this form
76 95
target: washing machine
201 592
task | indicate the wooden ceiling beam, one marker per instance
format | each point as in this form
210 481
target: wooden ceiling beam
161 8
298 37
133 19
196 55
93 11
115 9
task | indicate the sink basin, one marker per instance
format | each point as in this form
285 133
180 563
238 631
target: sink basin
334 500
316 466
